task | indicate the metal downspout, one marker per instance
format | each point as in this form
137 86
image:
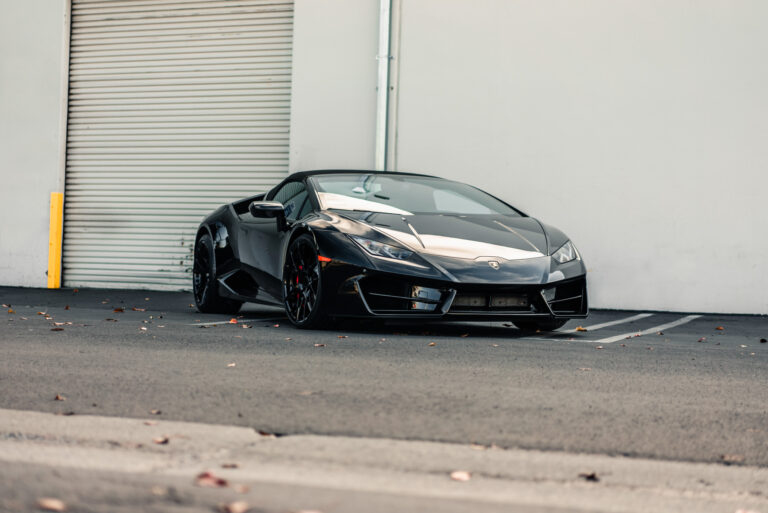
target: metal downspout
382 96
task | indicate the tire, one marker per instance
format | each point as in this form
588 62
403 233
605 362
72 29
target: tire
204 284
549 325
303 286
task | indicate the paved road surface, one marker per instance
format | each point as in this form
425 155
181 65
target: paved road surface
669 396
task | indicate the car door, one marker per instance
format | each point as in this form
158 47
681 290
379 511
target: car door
261 241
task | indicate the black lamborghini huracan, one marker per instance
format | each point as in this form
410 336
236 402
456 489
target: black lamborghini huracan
329 244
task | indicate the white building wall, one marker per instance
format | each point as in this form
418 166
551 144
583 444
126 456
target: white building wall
32 106
333 97
638 128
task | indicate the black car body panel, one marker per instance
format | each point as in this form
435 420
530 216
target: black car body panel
484 266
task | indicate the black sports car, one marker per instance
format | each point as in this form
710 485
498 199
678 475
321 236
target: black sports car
328 244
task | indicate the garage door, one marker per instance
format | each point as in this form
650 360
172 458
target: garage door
175 107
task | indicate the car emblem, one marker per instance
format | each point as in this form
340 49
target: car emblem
494 264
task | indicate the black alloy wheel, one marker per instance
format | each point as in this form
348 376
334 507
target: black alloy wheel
204 284
302 284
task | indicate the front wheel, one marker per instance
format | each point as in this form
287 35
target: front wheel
548 325
302 284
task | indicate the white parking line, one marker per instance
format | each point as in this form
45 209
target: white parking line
610 323
649 331
239 321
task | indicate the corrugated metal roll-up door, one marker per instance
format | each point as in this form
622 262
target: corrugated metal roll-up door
175 107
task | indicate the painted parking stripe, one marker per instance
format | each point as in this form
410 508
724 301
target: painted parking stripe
655 329
610 323
239 321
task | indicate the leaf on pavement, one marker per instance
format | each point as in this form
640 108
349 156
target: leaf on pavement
161 440
719 328
51 504
275 325
111 320
702 339
143 328
66 307
57 329
432 344
464 335
589 476
343 336
233 321
155 412
763 341
11 311
585 369
119 309
41 313
139 309
581 328
208 480
598 347
230 465
461 475
59 397
231 364
731 458
234 507
150 423
319 345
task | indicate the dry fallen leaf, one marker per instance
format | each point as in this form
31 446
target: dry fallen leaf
155 412
208 480
585 369
11 311
234 507
731 458
432 344
150 423
598 347
143 328
463 335
161 440
288 338
6 306
135 309
51 504
589 476
66 307
460 475
59 397
702 339
119 309
246 326
319 345
581 328
231 364
57 329
719 328
343 336
275 325
233 321
230 465
111 320
266 434
742 346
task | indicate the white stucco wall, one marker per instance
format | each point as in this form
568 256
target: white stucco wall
32 76
333 96
638 128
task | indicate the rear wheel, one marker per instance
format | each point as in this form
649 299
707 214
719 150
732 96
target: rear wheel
302 284
549 325
204 284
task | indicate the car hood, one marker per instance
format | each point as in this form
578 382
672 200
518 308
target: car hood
465 237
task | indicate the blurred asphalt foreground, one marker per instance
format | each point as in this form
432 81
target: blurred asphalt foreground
132 401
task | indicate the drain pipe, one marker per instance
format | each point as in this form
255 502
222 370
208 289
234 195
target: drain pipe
382 96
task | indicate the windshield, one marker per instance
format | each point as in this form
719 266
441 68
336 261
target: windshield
404 195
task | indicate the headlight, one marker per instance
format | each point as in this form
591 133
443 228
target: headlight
566 253
380 249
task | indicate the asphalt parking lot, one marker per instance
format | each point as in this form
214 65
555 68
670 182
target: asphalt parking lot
671 386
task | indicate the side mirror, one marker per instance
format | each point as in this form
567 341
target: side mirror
266 209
